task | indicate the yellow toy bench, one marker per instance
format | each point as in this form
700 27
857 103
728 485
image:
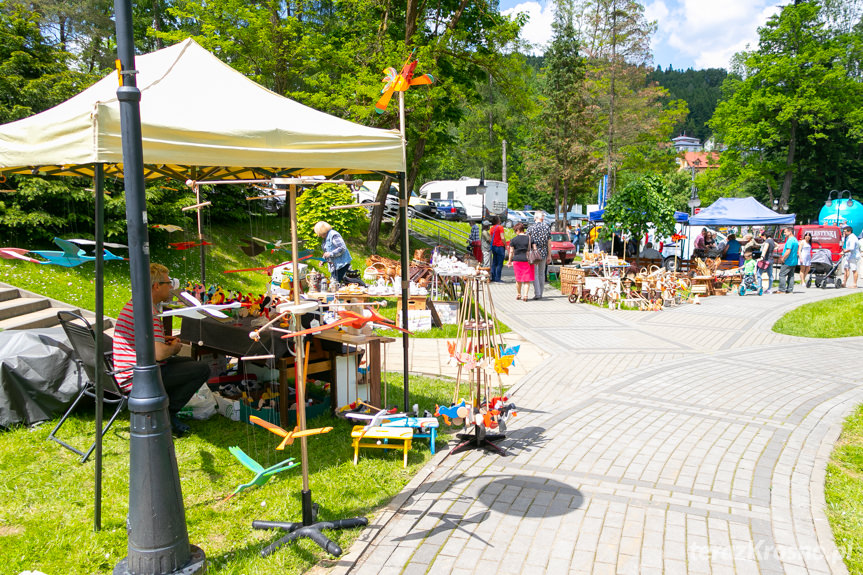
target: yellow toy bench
381 435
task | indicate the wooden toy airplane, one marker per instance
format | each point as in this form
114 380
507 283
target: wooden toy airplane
170 228
71 255
189 245
288 436
197 310
454 412
350 319
262 474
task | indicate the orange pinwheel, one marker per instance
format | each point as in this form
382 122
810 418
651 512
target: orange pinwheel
400 82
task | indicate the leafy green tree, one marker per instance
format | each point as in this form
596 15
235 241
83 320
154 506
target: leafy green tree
793 90
315 205
33 72
641 203
563 150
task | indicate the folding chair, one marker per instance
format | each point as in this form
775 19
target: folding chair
83 340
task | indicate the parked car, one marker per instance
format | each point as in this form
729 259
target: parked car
549 219
563 251
452 210
517 217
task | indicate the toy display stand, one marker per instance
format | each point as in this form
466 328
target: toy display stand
478 351
309 526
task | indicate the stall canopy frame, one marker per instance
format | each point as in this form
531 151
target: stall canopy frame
240 130
739 212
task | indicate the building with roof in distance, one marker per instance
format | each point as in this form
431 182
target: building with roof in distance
686 143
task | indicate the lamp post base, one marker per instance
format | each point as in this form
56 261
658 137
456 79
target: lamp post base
197 564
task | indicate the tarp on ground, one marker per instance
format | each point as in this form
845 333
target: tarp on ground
38 376
739 212
596 216
200 119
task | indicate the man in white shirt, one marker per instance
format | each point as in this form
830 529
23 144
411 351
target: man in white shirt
851 250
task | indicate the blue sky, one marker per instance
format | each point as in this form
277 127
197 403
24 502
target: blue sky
691 33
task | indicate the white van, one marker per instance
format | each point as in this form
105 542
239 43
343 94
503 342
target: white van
465 189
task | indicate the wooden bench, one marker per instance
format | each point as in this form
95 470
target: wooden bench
425 427
382 435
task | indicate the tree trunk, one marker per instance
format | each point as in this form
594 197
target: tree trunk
378 215
157 23
785 194
556 202
411 20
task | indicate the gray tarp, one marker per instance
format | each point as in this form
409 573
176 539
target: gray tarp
38 377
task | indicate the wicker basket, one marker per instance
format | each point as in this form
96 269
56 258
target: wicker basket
570 274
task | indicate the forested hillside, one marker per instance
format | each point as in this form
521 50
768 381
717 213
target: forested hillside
701 89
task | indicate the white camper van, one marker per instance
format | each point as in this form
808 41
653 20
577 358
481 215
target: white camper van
478 206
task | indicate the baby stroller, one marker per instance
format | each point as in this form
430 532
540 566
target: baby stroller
824 270
748 284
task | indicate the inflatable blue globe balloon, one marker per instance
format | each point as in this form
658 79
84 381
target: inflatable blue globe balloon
839 213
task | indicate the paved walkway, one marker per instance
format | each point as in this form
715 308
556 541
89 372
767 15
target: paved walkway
692 440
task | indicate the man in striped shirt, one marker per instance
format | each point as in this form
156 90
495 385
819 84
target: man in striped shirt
181 376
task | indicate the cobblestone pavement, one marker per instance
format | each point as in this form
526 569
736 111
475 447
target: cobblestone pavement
692 440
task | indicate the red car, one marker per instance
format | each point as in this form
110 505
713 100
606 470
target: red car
563 251
823 237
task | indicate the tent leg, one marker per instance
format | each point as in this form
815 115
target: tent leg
99 182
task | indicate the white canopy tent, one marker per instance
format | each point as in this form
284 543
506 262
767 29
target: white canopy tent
200 119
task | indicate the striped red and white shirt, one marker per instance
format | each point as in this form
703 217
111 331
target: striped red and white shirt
124 343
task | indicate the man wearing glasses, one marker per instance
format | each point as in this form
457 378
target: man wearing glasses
181 376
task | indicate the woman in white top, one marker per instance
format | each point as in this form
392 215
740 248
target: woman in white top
805 256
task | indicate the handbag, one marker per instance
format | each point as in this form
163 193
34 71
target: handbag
762 264
533 255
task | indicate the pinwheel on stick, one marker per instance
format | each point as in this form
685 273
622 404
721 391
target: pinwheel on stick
400 82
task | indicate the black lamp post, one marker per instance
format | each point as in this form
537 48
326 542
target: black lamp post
156 525
481 189
839 197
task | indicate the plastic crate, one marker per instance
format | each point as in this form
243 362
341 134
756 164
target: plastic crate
271 414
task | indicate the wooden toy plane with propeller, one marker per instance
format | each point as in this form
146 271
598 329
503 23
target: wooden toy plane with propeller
350 319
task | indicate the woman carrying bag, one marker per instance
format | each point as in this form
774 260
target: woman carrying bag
519 247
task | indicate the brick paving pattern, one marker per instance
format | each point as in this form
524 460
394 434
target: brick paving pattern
693 440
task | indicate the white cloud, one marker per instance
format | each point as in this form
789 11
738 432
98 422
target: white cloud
537 31
699 33
710 32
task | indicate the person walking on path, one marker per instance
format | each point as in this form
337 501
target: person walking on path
765 265
789 262
805 256
851 249
474 242
498 249
485 244
540 237
523 269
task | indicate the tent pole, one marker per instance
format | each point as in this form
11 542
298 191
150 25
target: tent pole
201 236
156 524
98 185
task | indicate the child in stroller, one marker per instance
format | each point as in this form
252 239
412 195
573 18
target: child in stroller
824 270
749 283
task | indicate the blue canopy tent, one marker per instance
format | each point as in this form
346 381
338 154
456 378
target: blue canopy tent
679 217
739 212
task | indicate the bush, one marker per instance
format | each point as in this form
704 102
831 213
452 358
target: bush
315 205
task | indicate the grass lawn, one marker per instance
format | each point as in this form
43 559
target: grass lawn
46 509
843 491
835 317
